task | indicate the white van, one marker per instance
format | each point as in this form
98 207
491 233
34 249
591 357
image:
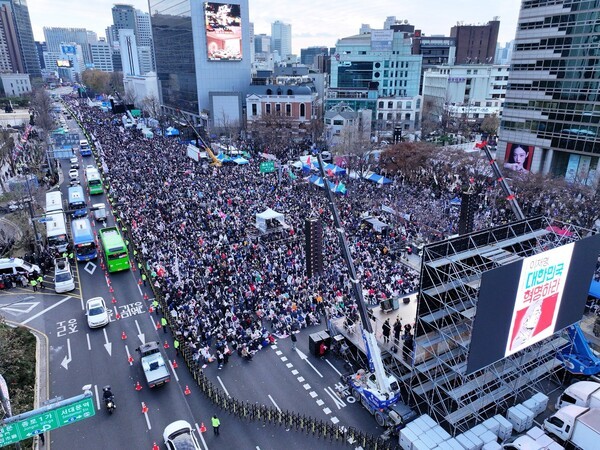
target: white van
63 278
14 266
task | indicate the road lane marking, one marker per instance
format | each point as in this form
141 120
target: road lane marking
67 359
140 289
82 305
97 397
153 323
201 437
223 386
301 379
87 335
140 334
313 394
305 358
320 402
333 367
273 401
327 411
147 418
107 345
35 316
306 386
175 373
129 358
289 365
338 401
335 420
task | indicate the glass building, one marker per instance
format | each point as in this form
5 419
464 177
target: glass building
552 107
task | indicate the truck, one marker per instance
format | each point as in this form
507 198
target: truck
526 442
577 425
153 364
582 393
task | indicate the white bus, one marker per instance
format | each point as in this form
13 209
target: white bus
56 231
54 202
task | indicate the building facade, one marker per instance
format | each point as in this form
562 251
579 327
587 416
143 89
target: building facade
202 50
476 43
307 55
281 38
19 43
345 126
15 84
400 112
56 36
102 56
552 106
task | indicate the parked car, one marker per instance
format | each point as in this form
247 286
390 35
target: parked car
96 312
178 435
63 278
74 175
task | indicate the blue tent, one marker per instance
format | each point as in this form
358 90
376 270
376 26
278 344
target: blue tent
340 188
171 132
336 170
594 289
224 158
456 201
239 160
379 179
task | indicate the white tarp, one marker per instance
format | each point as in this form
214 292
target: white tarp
264 217
377 224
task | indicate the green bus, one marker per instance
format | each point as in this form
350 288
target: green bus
94 181
114 248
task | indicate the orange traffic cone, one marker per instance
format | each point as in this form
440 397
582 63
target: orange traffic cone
155 447
144 408
123 335
145 296
111 290
114 300
139 282
130 361
138 386
175 365
202 428
151 310
158 327
118 316
187 390
166 345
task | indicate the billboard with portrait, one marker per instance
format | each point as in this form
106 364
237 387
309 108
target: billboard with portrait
223 26
518 157
529 300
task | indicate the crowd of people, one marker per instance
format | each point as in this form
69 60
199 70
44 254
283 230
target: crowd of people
228 290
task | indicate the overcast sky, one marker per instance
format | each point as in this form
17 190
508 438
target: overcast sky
313 22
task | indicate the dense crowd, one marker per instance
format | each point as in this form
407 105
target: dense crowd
228 291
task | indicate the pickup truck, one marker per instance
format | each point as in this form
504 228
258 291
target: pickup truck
154 366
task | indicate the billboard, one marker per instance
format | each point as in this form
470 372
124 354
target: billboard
63 63
518 157
381 40
223 26
68 49
529 300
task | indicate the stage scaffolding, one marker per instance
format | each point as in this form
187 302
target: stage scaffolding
435 380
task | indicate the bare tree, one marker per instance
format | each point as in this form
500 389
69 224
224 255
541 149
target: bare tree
151 106
490 125
407 158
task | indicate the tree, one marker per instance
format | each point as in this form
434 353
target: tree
151 106
490 125
273 134
41 104
97 80
407 158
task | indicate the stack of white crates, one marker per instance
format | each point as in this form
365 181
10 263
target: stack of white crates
423 433
544 441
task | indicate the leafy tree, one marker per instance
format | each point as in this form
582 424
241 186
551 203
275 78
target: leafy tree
490 125
97 80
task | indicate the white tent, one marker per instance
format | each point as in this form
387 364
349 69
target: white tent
263 218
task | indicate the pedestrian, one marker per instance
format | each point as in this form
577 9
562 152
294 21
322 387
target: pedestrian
144 278
397 330
386 329
216 423
155 306
42 438
40 281
163 324
176 345
33 283
294 339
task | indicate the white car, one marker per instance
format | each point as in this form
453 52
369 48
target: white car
179 436
63 278
74 175
96 312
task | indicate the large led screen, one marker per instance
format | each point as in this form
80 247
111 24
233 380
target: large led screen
518 157
529 300
223 23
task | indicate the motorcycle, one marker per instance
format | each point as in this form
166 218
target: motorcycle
109 400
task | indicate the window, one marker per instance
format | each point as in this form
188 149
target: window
408 105
290 92
277 108
380 116
268 108
381 104
302 110
390 116
254 109
407 116
338 122
390 105
288 109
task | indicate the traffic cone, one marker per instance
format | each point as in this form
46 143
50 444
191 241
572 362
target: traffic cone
175 365
118 316
114 300
111 290
145 296
187 390
202 428
158 327
123 336
155 447
130 361
139 282
150 309
166 345
138 386
144 408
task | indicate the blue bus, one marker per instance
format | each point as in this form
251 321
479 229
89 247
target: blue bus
84 148
77 202
83 240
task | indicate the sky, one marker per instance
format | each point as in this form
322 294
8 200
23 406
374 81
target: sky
313 22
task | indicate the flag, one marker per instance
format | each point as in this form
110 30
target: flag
291 174
308 161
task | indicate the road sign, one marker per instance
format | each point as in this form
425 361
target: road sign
44 219
267 167
45 419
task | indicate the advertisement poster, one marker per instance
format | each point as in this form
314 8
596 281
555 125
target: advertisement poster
572 165
539 295
223 25
518 157
381 40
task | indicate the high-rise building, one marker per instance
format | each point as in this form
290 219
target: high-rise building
129 52
281 38
504 54
41 48
307 55
123 17
552 106
18 42
92 37
202 71
56 36
126 17
262 43
102 56
476 43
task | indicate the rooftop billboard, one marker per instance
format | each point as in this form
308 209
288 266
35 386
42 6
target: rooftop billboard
223 26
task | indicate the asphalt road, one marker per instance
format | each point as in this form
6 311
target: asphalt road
77 355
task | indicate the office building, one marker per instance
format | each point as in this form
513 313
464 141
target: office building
504 53
102 56
129 52
55 36
476 43
92 37
307 55
41 47
50 59
18 42
281 38
552 106
262 43
124 18
15 84
207 81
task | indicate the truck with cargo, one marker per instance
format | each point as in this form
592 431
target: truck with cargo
154 366
582 393
526 442
577 425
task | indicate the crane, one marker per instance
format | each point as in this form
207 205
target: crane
378 391
207 149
